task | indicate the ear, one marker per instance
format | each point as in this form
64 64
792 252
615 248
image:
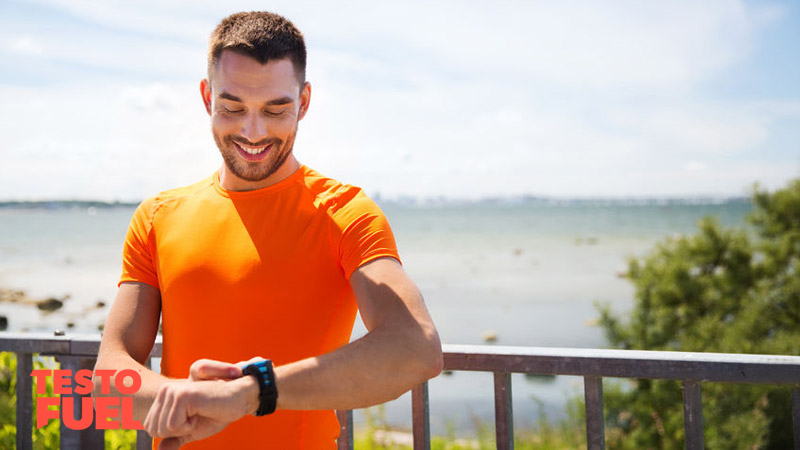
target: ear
305 100
205 92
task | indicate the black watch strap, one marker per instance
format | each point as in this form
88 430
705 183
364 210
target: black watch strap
268 392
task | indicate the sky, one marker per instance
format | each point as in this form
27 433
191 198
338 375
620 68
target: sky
449 99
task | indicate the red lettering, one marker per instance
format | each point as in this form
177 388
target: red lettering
128 423
119 381
43 413
41 380
83 381
105 380
59 382
104 412
68 413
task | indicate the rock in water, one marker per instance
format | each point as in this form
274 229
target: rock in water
489 336
49 305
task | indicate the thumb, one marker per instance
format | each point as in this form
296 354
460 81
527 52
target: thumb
207 369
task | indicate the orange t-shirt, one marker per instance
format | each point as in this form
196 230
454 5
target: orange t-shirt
257 273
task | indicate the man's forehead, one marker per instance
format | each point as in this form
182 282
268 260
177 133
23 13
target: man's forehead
237 72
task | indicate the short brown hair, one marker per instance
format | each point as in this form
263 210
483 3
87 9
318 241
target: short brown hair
261 35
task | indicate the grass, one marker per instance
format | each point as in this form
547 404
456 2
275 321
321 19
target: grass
544 435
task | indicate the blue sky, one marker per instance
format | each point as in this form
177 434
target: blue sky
459 99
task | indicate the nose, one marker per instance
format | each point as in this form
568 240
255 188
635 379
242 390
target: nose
254 128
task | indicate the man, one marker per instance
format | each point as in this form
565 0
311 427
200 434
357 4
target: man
265 258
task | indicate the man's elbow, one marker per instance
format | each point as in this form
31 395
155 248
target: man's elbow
431 359
436 364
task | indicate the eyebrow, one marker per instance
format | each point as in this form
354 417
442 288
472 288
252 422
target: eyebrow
277 101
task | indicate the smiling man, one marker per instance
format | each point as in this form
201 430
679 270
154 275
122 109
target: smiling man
265 258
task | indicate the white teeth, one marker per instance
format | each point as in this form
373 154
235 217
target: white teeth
252 150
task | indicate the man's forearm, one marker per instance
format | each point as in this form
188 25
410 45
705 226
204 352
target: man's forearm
374 369
151 381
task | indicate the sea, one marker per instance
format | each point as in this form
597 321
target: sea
511 272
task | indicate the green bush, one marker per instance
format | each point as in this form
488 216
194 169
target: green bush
44 438
720 290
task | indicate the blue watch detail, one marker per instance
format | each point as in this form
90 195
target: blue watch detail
267 391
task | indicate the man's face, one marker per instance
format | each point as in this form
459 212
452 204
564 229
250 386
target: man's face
254 112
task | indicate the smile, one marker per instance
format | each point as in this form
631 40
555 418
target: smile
251 150
253 153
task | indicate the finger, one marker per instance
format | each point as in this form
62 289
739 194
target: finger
241 364
151 420
177 420
207 369
164 412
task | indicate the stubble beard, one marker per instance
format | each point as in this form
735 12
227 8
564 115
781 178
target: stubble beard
254 170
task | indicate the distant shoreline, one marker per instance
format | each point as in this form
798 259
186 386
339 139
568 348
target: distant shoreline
425 202
64 204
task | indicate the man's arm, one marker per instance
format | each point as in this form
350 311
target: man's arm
128 337
400 350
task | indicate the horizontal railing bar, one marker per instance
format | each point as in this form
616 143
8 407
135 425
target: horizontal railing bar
737 368
721 367
75 345
34 343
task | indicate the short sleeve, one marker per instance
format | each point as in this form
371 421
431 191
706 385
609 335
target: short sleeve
366 234
138 252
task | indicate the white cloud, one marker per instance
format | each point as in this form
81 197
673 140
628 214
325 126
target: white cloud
695 166
25 45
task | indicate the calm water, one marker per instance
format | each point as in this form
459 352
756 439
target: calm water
528 272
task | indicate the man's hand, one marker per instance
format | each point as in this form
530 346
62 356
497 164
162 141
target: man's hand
209 369
214 395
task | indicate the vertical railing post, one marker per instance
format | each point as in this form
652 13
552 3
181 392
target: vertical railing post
693 415
143 440
595 423
503 411
24 401
420 417
345 439
91 437
796 416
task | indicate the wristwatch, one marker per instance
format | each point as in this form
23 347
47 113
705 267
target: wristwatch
268 392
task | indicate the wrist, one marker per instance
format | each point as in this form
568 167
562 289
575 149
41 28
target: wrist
248 389
263 372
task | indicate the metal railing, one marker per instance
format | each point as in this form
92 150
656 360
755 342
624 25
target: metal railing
692 369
